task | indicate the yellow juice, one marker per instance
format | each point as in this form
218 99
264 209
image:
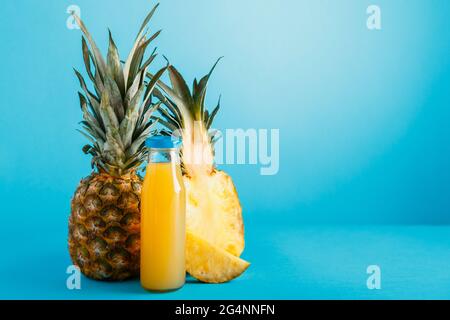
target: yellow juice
163 204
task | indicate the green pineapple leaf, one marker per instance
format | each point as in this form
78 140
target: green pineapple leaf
114 66
179 86
115 98
87 57
101 65
90 118
169 104
111 123
171 93
138 143
140 35
213 115
129 122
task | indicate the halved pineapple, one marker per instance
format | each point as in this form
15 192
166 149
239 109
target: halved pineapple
213 211
209 263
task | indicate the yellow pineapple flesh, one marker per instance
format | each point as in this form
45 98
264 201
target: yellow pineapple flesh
213 211
209 263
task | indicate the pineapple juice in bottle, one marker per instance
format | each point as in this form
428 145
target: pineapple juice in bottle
163 206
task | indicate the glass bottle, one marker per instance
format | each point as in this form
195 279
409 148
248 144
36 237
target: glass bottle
163 209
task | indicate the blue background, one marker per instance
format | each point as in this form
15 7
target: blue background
363 118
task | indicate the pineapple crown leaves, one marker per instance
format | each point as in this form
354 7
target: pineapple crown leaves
182 106
184 113
117 114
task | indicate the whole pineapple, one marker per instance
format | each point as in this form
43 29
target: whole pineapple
104 222
213 210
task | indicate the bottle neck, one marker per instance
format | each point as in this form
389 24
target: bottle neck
164 156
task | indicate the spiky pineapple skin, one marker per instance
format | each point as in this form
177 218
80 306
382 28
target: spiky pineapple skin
104 226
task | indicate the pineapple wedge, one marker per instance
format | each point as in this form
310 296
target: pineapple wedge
211 264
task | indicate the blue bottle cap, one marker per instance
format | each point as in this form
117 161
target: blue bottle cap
163 142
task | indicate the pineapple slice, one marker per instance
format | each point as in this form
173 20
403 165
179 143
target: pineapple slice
213 211
211 264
